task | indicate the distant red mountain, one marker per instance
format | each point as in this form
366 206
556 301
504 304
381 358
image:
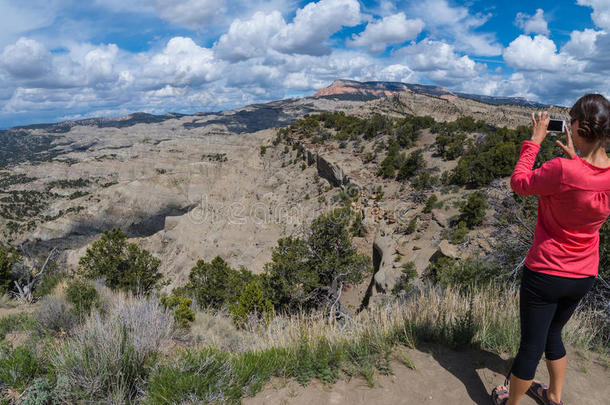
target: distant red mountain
354 90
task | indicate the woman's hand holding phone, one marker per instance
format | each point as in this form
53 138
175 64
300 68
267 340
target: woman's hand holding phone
568 149
540 125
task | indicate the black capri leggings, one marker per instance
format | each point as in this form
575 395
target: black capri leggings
546 304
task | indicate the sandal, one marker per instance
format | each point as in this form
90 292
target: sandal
499 395
539 391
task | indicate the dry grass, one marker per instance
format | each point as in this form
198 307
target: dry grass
434 314
217 329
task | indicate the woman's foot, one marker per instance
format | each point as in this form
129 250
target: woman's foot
540 392
499 395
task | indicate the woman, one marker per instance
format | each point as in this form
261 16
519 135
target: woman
561 264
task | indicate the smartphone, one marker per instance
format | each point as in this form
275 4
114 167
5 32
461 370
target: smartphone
556 125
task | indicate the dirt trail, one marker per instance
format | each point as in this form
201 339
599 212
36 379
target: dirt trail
441 376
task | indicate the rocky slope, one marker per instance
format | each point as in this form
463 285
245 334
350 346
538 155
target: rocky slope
191 187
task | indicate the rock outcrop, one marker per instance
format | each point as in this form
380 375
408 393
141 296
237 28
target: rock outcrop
383 260
445 249
328 169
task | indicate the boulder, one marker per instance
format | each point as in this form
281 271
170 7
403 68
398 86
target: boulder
383 260
403 248
440 217
445 249
330 171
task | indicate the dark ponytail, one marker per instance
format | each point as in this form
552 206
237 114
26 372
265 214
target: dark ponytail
593 114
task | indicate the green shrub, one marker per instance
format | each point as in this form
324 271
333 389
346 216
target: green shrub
430 203
8 257
215 284
368 352
464 274
376 125
44 391
450 145
214 376
306 274
21 321
19 366
205 376
472 272
458 233
289 278
48 283
123 265
83 296
473 209
251 300
424 180
411 226
183 315
495 156
39 392
404 284
327 361
319 359
405 135
388 165
413 163
439 270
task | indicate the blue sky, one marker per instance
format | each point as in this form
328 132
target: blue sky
69 59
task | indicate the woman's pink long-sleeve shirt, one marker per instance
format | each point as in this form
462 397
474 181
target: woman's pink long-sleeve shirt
573 203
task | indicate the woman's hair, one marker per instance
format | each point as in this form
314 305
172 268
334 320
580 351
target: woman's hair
593 114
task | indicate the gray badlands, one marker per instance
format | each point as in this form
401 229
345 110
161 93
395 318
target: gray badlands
189 187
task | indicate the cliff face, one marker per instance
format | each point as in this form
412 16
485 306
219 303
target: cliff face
376 89
372 90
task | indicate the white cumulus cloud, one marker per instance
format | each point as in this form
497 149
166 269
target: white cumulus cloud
527 53
183 62
396 73
26 59
100 63
533 24
601 12
314 24
582 43
249 38
439 61
392 29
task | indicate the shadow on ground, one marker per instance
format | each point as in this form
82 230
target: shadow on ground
465 365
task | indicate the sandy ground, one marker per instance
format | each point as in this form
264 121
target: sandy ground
441 376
